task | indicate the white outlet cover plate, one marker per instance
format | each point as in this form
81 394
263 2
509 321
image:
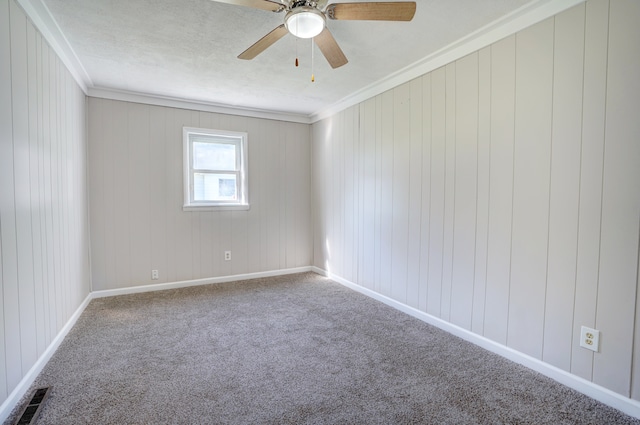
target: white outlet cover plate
585 332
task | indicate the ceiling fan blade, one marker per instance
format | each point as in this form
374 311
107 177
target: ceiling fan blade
262 44
330 49
271 5
373 11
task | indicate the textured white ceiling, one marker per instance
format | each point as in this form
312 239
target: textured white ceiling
187 49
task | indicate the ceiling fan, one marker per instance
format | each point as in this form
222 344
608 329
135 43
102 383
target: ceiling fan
307 19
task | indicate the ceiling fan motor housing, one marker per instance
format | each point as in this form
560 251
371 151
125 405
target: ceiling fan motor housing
304 20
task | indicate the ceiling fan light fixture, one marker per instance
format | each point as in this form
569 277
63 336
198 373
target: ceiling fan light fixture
305 22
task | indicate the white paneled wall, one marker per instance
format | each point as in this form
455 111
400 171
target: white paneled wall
44 238
136 181
501 193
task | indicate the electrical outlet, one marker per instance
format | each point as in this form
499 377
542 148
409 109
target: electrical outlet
590 339
154 274
227 256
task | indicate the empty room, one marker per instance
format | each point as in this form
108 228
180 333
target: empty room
282 211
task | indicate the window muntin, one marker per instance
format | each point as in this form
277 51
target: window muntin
215 164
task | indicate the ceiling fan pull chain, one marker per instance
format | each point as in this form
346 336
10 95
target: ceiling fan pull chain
313 78
296 44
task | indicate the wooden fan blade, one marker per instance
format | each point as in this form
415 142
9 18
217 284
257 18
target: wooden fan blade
330 49
373 11
262 44
273 6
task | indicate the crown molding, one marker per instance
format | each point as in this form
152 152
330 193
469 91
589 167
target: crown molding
43 20
529 14
174 102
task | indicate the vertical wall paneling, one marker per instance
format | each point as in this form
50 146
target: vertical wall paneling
46 186
532 161
483 192
367 120
263 206
139 194
565 186
257 178
122 190
425 217
54 129
466 176
252 248
356 160
380 182
359 161
436 221
42 305
173 190
525 194
304 232
96 174
34 179
182 245
449 189
319 252
329 242
183 222
298 170
109 200
64 174
351 168
8 268
348 193
414 229
23 212
43 233
336 194
386 195
400 189
256 195
282 233
503 74
358 135
56 165
620 201
325 166
290 208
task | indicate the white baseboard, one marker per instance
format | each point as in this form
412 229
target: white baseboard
195 282
14 398
604 395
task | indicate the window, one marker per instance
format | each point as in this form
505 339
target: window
215 167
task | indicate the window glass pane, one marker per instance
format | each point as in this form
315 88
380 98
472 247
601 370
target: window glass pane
214 187
214 156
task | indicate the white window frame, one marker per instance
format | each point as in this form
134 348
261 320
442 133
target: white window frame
242 169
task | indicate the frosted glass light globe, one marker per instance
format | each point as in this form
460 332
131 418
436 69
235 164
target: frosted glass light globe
305 22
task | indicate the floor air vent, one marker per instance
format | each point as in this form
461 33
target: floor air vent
32 409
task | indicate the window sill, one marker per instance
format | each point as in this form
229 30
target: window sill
234 207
